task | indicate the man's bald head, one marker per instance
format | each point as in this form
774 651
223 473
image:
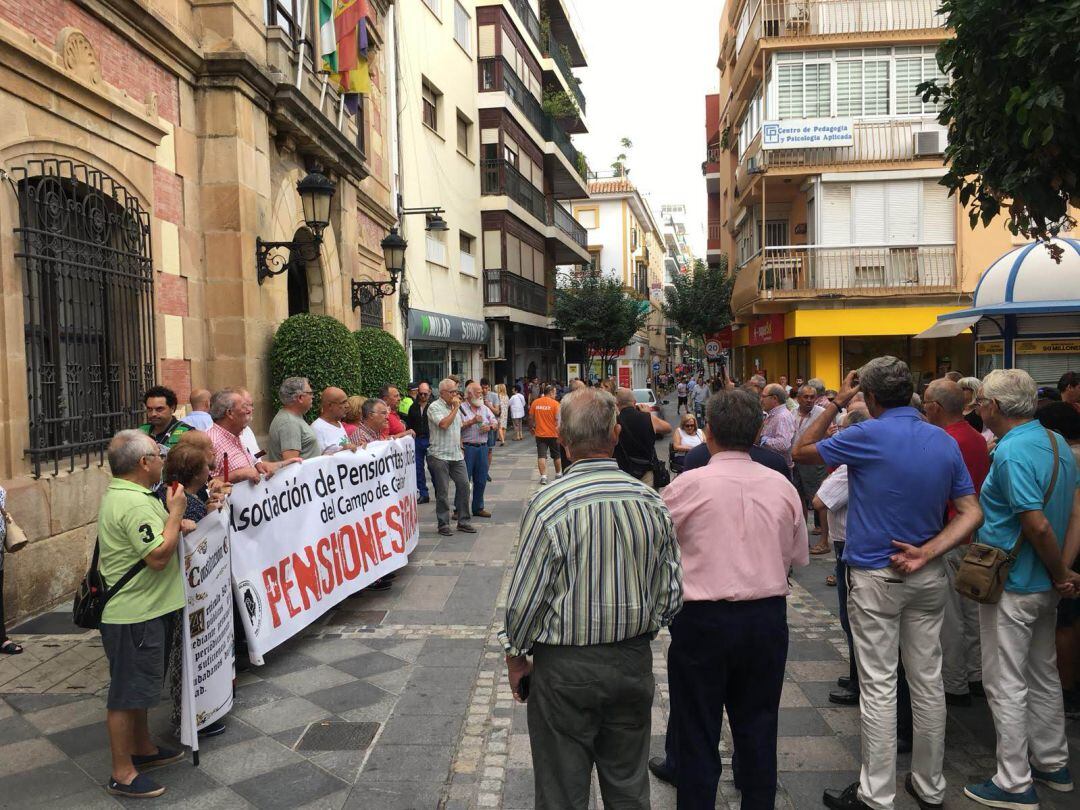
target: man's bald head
948 395
333 404
200 400
624 398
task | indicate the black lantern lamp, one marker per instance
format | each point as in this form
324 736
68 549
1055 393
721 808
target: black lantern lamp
316 193
393 247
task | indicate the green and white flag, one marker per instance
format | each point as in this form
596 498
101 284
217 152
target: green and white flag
327 36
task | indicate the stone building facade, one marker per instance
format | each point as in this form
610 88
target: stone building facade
145 145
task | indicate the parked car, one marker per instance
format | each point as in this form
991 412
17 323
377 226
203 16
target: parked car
647 401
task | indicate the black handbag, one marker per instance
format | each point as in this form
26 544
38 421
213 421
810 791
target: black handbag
92 594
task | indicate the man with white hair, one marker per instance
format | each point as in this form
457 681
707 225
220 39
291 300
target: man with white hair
290 435
445 458
902 472
1027 498
230 408
597 575
778 432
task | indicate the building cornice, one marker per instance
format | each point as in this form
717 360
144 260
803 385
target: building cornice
177 50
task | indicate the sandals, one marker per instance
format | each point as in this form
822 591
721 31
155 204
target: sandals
830 580
9 647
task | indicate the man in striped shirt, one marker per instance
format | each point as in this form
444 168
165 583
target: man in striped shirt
597 575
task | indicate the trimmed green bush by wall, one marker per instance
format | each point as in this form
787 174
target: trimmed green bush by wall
382 361
320 348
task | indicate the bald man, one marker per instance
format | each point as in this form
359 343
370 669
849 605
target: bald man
329 429
199 418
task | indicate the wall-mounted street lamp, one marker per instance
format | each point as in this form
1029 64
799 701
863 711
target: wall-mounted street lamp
393 247
316 192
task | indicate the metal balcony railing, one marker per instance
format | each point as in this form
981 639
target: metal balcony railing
552 50
712 154
716 231
565 222
502 287
873 142
800 18
496 74
528 19
500 177
795 271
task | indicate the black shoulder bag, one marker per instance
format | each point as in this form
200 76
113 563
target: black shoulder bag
92 594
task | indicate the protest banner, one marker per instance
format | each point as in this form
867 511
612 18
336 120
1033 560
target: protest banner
208 627
317 532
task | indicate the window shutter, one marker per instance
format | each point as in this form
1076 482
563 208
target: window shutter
939 214
931 71
485 41
817 90
868 208
513 254
835 214
790 78
902 205
875 87
849 88
908 76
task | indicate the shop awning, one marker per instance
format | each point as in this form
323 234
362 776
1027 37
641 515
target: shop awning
948 327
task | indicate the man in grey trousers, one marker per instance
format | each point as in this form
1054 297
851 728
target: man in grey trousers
446 460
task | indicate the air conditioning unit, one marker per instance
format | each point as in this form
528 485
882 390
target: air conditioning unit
929 143
496 346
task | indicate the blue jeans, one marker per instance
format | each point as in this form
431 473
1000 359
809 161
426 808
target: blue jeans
476 465
421 478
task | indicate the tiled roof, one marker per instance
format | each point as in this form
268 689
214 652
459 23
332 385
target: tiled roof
612 186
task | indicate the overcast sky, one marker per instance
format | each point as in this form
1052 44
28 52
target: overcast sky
650 66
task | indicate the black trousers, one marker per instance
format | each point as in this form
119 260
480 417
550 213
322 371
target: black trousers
726 654
591 706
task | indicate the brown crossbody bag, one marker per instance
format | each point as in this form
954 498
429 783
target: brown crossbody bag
984 569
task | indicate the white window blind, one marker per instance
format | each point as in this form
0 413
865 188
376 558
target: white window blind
436 250
835 214
513 254
902 207
485 41
938 213
434 5
790 90
492 250
848 88
816 94
908 76
868 211
462 27
876 87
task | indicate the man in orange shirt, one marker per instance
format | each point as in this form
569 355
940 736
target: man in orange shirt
544 416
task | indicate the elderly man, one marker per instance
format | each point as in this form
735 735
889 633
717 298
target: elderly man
137 546
329 429
446 461
635 452
231 413
961 659
729 643
596 576
778 432
395 427
1027 499
808 477
199 418
701 396
902 473
290 435
374 420
478 422
417 422
161 424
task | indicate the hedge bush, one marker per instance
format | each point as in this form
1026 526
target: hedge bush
382 361
320 348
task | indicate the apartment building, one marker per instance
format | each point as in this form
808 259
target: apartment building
623 242
822 168
528 105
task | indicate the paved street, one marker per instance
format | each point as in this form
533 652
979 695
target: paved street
398 700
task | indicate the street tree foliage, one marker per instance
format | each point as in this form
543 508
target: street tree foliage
699 302
599 312
1011 102
382 361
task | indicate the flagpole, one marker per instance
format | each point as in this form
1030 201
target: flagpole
303 45
322 92
340 110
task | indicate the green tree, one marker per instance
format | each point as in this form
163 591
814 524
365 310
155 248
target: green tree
619 165
699 302
1012 105
598 311
382 361
317 347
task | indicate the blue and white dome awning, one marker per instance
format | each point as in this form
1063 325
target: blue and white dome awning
1025 281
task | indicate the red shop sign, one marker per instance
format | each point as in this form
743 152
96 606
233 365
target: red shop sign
767 329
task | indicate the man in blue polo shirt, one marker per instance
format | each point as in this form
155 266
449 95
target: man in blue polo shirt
902 472
1024 495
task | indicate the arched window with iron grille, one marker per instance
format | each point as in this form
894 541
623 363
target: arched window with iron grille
84 246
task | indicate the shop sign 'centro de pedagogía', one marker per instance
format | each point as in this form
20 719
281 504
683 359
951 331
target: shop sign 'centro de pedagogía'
449 328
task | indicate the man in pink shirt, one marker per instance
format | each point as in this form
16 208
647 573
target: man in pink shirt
729 643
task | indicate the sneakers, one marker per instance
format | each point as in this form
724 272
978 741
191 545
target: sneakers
558 475
1059 780
543 480
141 787
991 795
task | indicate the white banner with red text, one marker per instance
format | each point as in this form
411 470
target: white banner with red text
317 532
207 692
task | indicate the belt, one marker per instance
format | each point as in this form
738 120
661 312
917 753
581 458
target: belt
475 444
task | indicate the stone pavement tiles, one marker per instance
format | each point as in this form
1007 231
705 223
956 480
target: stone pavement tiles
399 700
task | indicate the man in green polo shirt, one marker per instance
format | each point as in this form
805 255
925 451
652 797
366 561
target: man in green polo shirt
136 624
161 424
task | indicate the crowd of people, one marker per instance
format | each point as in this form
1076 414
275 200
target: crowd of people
909 491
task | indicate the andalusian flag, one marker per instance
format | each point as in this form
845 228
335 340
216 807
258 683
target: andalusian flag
350 25
327 37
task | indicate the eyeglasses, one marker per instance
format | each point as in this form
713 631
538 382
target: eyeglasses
982 401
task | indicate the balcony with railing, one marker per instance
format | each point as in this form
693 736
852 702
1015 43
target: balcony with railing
814 271
808 18
716 231
528 19
553 50
565 222
872 142
500 177
503 288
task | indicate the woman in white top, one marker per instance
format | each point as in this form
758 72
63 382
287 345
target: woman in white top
504 412
517 412
687 437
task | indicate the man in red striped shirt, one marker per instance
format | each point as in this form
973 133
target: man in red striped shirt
961 654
